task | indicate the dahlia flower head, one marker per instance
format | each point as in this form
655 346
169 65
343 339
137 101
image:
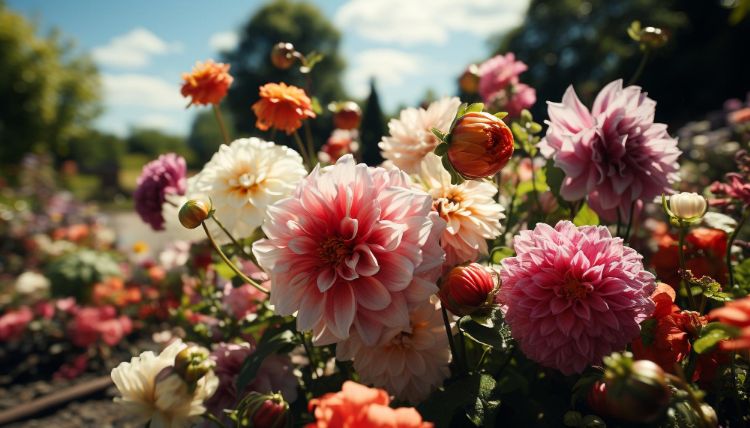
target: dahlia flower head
572 294
282 107
242 179
411 136
167 175
469 209
408 362
499 85
207 83
737 315
353 247
614 153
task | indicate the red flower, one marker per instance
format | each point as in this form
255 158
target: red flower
704 255
735 314
480 145
466 288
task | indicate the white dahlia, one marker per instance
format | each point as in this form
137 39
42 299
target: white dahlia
409 362
244 178
411 134
469 209
164 400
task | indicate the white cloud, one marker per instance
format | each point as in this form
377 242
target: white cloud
133 49
225 41
389 67
140 90
414 22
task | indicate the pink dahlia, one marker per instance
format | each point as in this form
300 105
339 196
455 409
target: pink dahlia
574 294
353 247
500 87
159 178
614 153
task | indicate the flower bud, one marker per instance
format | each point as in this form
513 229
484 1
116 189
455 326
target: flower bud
265 410
193 213
687 206
469 80
467 288
653 37
283 55
192 363
480 145
346 115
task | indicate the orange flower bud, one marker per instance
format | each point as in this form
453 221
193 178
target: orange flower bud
480 145
282 55
466 288
346 115
469 80
193 213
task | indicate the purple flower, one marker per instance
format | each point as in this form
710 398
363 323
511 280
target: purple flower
614 153
160 177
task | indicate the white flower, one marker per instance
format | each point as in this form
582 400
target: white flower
411 134
687 205
164 400
244 178
175 254
409 363
31 283
469 209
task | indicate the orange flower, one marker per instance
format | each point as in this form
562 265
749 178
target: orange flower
735 314
207 84
480 145
362 407
282 107
704 253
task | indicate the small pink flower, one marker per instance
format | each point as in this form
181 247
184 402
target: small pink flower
243 300
614 153
14 322
353 247
500 87
574 294
93 323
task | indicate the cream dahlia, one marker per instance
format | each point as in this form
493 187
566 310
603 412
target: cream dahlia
244 178
411 136
469 209
614 153
151 393
353 247
408 362
574 294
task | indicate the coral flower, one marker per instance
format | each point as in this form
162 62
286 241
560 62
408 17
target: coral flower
470 210
735 314
704 255
614 153
357 406
282 107
574 294
409 362
160 178
207 83
480 145
353 247
411 136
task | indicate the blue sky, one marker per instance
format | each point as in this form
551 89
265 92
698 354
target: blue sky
142 47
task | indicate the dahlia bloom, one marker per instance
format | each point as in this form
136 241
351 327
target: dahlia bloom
354 246
207 83
164 176
469 209
13 323
244 178
94 323
735 314
573 294
340 143
705 250
408 362
357 406
275 374
282 107
614 153
411 136
499 85
166 402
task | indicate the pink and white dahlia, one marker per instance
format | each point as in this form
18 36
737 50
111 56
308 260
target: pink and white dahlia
469 209
574 294
614 153
411 136
408 362
353 247
499 85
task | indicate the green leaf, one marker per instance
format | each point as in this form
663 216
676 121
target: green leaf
474 108
534 128
441 405
440 136
477 332
224 270
501 114
488 318
499 253
265 348
586 217
520 133
711 335
315 105
461 110
554 177
485 405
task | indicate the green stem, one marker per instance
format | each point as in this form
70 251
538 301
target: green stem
224 133
619 222
229 262
630 221
302 150
310 146
234 241
464 357
449 332
641 67
533 184
730 242
214 419
681 251
313 365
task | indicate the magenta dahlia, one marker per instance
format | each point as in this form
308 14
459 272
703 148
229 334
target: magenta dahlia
354 247
159 178
614 153
574 294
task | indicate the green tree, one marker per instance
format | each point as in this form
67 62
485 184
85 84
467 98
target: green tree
372 128
301 24
99 154
153 142
205 135
49 93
